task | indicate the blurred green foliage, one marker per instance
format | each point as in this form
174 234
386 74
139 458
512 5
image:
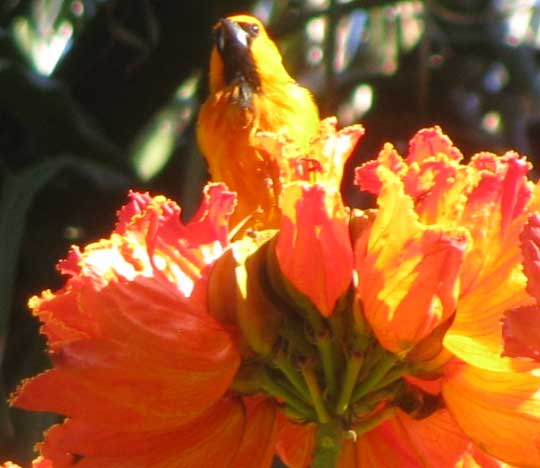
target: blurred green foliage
99 96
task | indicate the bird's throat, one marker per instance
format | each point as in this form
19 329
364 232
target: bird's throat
242 93
233 44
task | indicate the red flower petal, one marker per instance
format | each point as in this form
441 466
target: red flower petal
530 247
212 439
408 273
489 197
515 192
126 334
258 444
430 142
148 359
366 176
521 333
295 443
313 248
492 280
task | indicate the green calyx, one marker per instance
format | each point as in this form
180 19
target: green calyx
321 371
330 371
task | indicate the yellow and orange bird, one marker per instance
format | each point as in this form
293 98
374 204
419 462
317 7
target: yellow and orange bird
250 92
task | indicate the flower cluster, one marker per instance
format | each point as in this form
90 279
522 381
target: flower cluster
334 338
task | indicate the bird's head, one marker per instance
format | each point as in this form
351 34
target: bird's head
244 56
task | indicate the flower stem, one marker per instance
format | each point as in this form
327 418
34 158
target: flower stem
328 441
315 392
292 374
324 345
375 398
374 421
323 341
391 377
272 387
354 364
386 363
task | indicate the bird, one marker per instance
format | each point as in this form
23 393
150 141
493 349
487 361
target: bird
250 91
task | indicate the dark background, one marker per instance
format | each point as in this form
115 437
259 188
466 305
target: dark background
99 96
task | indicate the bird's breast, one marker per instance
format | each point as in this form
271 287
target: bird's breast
231 109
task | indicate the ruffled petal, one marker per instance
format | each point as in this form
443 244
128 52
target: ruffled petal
125 309
324 160
332 148
188 359
430 142
431 174
490 197
494 214
152 230
407 272
530 247
366 176
492 280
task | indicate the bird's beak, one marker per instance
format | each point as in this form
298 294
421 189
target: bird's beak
234 46
230 38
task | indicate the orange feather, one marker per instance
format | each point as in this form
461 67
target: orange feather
250 92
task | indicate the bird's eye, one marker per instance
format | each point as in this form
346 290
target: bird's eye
251 28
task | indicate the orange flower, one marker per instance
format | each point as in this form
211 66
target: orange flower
421 261
492 399
407 270
490 198
342 338
313 248
141 370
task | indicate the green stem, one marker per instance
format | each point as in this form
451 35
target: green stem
340 327
373 422
354 364
391 377
372 357
324 345
292 414
273 388
360 324
328 441
323 341
292 374
371 401
315 392
376 376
